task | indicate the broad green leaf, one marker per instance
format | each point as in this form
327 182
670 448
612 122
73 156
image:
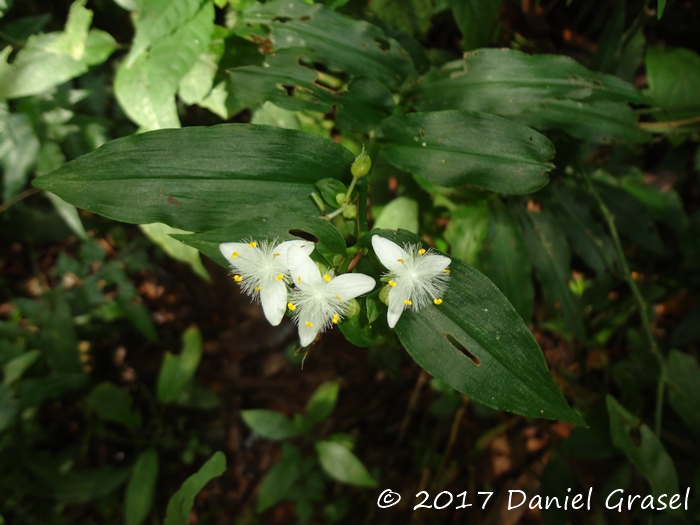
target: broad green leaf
112 403
411 16
342 465
551 259
684 388
542 90
322 401
8 407
178 370
74 37
476 20
180 505
140 492
199 179
643 449
271 115
160 234
352 46
674 81
270 424
466 231
146 82
198 82
452 148
19 147
15 369
279 479
477 343
504 260
281 226
401 212
37 67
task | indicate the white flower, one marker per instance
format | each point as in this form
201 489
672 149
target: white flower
320 299
262 271
416 276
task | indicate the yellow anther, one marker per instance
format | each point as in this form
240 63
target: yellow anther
437 301
237 278
446 271
335 318
291 306
392 283
257 288
234 255
310 325
279 277
338 297
401 260
252 244
327 278
407 302
275 254
299 279
421 251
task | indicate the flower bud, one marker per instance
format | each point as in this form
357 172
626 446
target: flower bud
384 294
340 198
353 309
362 165
350 212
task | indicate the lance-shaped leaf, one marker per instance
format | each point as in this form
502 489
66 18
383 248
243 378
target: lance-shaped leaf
355 47
199 178
452 148
684 388
477 343
544 90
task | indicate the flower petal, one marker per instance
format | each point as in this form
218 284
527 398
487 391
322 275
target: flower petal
350 285
284 247
308 329
432 263
389 253
396 306
301 267
273 297
228 249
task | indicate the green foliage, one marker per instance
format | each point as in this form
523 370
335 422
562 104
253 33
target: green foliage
177 371
674 80
140 492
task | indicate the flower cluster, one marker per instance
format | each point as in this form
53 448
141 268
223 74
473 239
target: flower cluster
318 300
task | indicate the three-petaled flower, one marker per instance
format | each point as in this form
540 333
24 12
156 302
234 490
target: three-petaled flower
262 271
320 299
416 276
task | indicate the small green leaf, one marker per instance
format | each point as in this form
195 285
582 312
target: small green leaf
74 37
160 234
322 401
279 479
342 465
402 212
643 449
453 148
15 369
178 370
270 424
140 492
674 81
19 147
180 505
329 189
684 388
112 403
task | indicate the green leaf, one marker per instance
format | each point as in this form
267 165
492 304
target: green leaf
504 260
674 81
112 403
684 388
281 226
466 231
660 6
402 212
146 82
477 343
476 20
39 67
270 424
643 449
329 189
19 147
160 234
542 90
271 115
178 370
322 401
15 369
452 148
411 16
551 258
8 407
180 505
352 46
34 391
198 82
365 329
140 492
201 178
342 465
278 481
74 38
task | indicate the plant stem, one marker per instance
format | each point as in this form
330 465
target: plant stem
337 212
16 199
641 304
